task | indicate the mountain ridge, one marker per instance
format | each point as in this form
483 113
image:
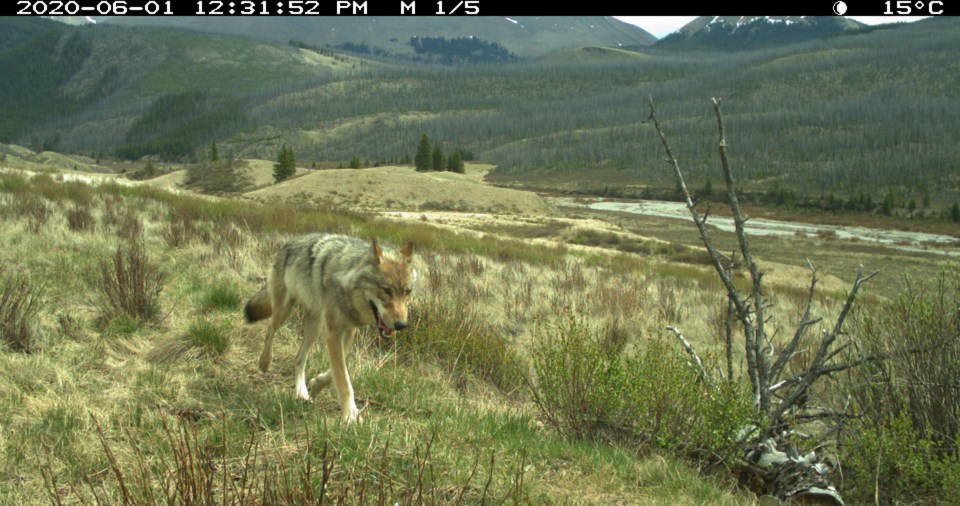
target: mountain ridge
736 33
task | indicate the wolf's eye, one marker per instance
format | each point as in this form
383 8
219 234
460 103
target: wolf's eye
407 291
388 291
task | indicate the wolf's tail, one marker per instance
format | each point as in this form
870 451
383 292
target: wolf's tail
258 307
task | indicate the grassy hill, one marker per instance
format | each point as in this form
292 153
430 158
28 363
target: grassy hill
400 188
153 396
166 405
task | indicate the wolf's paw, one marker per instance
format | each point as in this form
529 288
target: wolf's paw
319 382
302 392
351 414
265 361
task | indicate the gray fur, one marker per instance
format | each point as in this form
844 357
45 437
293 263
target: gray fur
342 283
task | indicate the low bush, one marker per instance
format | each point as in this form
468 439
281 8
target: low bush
80 219
221 296
907 420
463 341
586 388
209 337
129 283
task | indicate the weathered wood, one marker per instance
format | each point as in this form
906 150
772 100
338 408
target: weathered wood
764 467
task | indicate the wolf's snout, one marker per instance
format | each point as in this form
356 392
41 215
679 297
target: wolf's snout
400 325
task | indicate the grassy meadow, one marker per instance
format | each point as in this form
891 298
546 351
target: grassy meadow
102 404
128 376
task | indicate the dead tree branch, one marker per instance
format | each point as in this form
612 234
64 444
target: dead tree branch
697 363
774 398
742 310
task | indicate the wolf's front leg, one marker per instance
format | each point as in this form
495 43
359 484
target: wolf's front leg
341 378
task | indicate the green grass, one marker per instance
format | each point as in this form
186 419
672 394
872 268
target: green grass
209 337
221 297
122 325
180 401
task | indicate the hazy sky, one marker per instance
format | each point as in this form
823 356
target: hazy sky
660 26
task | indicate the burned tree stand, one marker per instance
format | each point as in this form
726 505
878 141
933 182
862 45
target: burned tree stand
768 463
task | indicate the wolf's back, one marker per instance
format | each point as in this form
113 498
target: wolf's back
258 307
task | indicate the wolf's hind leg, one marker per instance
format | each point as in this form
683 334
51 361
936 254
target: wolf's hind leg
280 313
311 327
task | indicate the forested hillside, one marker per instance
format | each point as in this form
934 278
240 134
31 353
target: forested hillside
525 36
114 90
852 112
867 112
735 33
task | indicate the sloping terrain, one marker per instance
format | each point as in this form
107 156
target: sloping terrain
819 122
400 188
521 35
109 88
169 406
735 33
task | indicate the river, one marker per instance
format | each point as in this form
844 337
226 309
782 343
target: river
918 242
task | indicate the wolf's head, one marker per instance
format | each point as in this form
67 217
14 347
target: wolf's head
389 295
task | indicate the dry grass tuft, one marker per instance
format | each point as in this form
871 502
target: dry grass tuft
20 301
198 470
80 219
130 283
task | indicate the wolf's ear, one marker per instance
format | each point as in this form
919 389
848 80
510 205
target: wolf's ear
407 252
377 253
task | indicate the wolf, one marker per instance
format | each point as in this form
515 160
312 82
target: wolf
342 283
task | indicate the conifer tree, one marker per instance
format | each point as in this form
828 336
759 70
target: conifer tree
439 161
424 160
455 163
286 164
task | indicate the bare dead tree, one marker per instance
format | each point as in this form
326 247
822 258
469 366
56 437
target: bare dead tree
779 400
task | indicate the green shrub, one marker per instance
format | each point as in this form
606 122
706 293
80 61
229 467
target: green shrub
12 182
57 190
462 340
908 421
586 388
580 383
